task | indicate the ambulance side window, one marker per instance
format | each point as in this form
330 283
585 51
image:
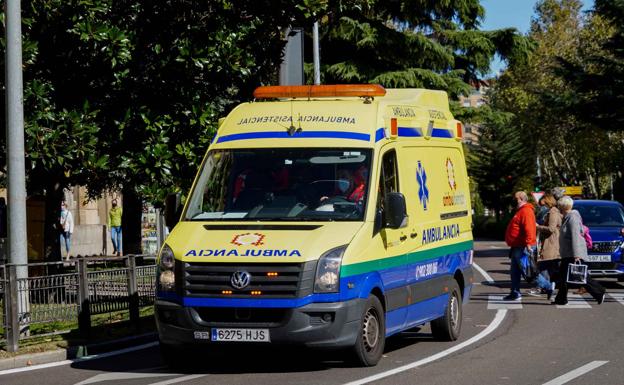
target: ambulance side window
388 182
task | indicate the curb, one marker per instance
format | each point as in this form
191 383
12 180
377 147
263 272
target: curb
73 352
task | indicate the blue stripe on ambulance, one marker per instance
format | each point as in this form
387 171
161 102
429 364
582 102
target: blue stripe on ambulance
298 135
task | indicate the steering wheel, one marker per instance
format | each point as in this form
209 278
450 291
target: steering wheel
334 200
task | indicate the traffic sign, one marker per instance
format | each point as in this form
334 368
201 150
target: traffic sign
537 195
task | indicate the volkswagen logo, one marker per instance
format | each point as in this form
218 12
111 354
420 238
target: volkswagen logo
240 280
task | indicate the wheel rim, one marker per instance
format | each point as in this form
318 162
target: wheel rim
454 307
370 330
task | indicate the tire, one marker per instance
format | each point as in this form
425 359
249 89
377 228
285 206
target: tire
371 340
448 327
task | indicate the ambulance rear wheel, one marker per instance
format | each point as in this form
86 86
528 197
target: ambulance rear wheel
448 327
371 339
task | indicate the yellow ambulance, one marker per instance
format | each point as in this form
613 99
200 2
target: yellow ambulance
330 216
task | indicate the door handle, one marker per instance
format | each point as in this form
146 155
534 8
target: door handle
414 235
403 238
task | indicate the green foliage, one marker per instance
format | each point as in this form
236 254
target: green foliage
500 161
413 43
572 146
128 93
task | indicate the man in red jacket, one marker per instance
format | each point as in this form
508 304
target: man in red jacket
521 238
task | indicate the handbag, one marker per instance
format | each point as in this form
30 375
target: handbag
528 266
577 273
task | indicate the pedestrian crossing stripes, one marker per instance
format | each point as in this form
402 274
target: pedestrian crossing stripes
575 301
617 296
496 302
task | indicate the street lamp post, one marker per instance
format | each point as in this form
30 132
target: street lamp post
16 180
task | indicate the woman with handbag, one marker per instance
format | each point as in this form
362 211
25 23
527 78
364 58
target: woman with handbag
572 249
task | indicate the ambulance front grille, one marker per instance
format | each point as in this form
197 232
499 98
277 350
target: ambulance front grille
286 280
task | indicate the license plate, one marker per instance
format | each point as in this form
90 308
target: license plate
598 258
241 335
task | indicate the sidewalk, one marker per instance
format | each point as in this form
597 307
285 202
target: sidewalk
75 351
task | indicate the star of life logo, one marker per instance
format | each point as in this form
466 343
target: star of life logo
254 239
423 190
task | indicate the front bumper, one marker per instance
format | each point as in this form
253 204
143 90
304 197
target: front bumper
317 325
605 269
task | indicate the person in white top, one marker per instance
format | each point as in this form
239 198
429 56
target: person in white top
66 227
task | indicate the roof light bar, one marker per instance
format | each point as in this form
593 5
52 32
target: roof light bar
319 91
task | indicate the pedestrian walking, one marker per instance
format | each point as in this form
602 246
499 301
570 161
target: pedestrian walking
542 211
520 236
66 227
572 248
548 257
114 222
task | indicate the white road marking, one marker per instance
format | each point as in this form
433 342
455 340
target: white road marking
496 302
575 301
576 373
498 319
179 379
617 296
85 358
118 376
483 273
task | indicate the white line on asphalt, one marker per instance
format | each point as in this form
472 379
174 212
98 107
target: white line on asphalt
85 358
496 302
575 301
483 273
179 379
576 373
498 319
618 297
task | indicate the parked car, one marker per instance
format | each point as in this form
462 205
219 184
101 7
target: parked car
605 220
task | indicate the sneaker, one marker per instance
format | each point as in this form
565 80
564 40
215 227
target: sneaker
601 300
549 294
534 292
512 297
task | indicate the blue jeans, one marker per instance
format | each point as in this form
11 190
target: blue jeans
514 270
66 239
116 238
542 282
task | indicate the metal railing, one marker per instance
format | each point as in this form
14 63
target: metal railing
70 292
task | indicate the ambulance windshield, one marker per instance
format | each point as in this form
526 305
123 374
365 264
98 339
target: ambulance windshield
282 184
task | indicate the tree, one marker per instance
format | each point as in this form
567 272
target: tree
539 98
597 78
414 43
500 160
126 94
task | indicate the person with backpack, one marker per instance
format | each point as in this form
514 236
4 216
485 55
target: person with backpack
573 248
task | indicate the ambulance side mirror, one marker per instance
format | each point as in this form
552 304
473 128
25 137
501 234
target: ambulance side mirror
172 210
395 210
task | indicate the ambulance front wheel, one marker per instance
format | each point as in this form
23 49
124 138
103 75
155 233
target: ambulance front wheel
448 327
371 339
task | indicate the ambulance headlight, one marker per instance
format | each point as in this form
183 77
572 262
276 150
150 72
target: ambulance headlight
167 259
166 263
327 278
